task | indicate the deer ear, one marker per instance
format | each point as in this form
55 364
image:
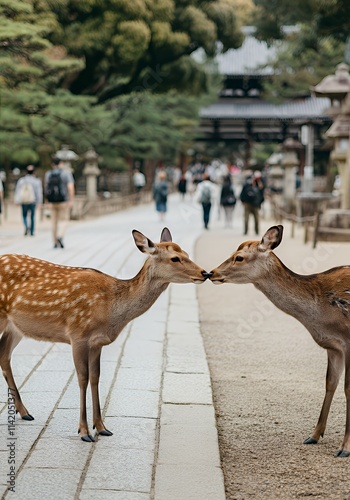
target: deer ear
166 235
271 239
143 243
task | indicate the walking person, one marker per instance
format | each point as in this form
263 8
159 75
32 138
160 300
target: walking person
182 186
228 199
206 194
1 197
29 194
139 181
252 196
160 194
59 192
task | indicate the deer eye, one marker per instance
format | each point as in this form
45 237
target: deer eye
175 259
239 258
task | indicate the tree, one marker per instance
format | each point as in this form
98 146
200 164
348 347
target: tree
39 112
325 18
146 125
141 45
308 53
302 61
30 69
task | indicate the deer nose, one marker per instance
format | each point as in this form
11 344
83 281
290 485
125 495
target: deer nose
207 275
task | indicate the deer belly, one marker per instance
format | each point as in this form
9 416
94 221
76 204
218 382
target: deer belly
40 328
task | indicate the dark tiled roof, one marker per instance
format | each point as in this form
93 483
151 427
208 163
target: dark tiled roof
311 107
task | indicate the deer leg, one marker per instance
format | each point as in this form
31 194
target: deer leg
94 374
345 447
334 370
8 342
81 362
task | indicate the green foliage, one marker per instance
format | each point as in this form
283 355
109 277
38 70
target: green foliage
301 62
59 58
144 125
326 18
122 41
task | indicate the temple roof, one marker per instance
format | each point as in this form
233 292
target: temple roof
307 109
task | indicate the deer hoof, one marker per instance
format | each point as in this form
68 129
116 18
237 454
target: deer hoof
27 417
342 453
105 432
87 438
310 441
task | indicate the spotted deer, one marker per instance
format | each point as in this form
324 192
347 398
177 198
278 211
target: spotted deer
82 307
321 302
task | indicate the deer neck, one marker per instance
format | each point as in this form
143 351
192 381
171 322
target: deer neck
139 293
293 293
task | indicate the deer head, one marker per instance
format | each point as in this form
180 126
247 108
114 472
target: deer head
168 261
250 261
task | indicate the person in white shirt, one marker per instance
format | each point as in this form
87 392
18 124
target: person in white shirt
29 194
139 181
206 194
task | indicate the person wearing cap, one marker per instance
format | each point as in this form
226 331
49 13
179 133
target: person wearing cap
252 196
29 194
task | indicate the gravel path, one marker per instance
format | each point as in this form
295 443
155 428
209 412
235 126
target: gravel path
268 379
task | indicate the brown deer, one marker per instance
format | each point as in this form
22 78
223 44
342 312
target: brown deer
321 302
82 307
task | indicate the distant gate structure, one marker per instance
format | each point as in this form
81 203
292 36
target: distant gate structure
242 115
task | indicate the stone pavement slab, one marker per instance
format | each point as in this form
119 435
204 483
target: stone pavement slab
155 386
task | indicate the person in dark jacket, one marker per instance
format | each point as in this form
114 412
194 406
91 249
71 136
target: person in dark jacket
252 196
182 186
227 199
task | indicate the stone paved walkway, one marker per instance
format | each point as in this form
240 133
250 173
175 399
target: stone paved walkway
155 385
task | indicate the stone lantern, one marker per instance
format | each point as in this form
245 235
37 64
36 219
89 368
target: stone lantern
275 173
91 171
290 163
66 155
339 132
337 88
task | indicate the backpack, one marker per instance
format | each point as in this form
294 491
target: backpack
206 195
252 195
161 193
54 190
26 194
229 199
